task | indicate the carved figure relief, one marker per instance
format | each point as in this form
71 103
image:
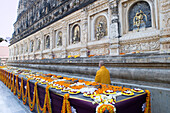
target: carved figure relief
76 34
47 42
139 16
100 27
145 46
59 39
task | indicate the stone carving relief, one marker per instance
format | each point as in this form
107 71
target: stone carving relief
166 20
17 50
101 27
26 47
165 6
99 51
38 44
144 46
47 42
59 39
73 53
76 34
21 48
139 16
31 45
39 13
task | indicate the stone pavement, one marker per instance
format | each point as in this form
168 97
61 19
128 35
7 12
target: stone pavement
9 103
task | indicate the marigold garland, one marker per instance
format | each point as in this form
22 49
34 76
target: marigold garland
9 85
66 108
19 91
32 103
47 103
13 84
24 97
148 103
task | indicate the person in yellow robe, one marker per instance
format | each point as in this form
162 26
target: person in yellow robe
102 75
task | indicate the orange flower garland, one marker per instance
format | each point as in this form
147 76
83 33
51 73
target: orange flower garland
47 103
148 104
32 103
9 81
19 91
66 108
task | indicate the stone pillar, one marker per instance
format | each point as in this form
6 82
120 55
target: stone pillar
64 39
114 28
42 44
114 47
84 36
51 38
114 19
34 47
164 26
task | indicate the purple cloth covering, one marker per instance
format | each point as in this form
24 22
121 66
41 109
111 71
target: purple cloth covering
131 105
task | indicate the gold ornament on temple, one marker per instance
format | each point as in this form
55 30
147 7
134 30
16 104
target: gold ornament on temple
139 19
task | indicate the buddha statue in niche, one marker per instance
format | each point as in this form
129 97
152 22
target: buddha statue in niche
76 35
100 32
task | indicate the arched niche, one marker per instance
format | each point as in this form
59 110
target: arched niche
31 46
125 9
76 34
100 27
47 42
59 38
139 16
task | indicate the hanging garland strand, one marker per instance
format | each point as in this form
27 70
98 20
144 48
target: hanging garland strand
32 103
66 108
48 99
148 103
24 97
47 102
19 91
10 77
14 85
6 83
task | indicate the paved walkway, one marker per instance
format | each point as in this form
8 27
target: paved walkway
9 103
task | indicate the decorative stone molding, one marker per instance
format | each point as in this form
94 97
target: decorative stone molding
165 6
143 46
165 40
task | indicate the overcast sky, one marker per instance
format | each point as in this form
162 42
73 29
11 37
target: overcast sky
8 15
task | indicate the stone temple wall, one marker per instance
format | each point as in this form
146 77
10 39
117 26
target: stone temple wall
95 27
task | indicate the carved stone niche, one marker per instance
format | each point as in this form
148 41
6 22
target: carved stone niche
136 15
75 33
59 38
99 26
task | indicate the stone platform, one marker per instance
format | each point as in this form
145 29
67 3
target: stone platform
147 71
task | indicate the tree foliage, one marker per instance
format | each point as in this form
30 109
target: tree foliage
1 39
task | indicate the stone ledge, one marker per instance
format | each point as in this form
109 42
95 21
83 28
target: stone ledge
137 74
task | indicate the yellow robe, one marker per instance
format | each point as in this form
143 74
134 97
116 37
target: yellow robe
103 75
